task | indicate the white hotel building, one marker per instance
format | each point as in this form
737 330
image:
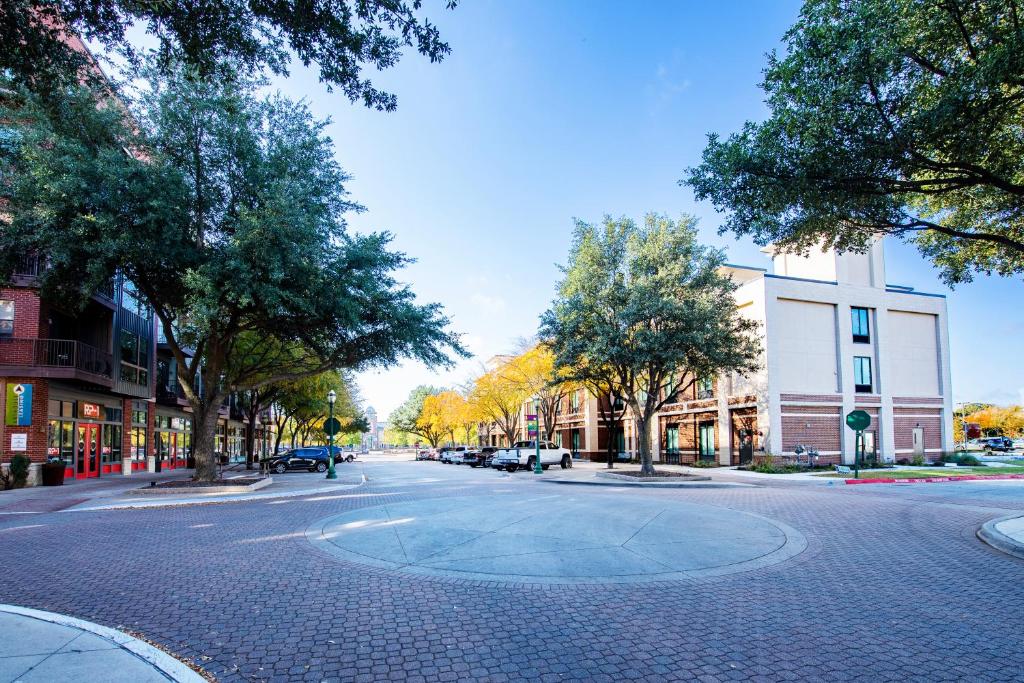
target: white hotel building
836 338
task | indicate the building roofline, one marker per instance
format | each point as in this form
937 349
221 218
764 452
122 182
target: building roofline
900 290
736 265
800 279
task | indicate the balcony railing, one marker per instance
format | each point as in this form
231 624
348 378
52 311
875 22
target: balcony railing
168 393
56 353
33 265
30 266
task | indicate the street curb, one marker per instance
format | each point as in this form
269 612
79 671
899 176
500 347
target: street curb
1000 541
619 483
935 480
167 665
220 500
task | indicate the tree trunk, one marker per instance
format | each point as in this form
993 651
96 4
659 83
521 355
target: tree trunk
204 431
643 437
250 433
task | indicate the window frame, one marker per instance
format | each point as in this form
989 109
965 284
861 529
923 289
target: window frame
861 333
9 331
705 387
859 364
135 370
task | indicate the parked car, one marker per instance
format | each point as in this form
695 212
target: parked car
447 454
481 457
426 454
309 459
471 457
975 445
522 455
455 454
1018 444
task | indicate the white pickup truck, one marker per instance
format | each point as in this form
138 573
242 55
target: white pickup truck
522 453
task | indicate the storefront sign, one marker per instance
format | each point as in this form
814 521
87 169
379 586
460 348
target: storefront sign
19 405
89 411
19 442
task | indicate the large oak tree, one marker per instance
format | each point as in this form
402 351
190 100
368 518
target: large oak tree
218 37
644 310
886 117
228 218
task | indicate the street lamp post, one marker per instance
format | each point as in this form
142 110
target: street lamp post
537 469
331 398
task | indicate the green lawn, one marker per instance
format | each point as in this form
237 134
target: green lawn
928 472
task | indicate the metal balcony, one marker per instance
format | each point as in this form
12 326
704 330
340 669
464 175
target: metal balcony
56 358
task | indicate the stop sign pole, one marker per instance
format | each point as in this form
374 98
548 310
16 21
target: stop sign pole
858 421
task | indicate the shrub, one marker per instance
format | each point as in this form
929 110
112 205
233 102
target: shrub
704 463
917 461
16 475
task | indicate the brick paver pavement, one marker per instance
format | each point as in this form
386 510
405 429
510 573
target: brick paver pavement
892 586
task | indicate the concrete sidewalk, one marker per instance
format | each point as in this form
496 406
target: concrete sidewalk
45 646
113 492
1006 534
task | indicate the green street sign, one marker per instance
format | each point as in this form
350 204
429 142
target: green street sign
858 420
332 426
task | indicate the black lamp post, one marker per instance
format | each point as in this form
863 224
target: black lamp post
331 398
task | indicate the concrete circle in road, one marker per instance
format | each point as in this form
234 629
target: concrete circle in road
557 538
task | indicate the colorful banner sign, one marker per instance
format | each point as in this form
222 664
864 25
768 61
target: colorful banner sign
531 418
19 405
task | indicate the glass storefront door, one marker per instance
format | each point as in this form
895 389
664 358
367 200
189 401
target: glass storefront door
88 464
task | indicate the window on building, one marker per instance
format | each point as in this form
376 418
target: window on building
134 358
132 300
861 325
138 435
862 374
705 387
672 439
619 436
6 317
574 402
111 447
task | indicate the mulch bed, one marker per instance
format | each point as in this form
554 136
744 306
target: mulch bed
189 484
658 474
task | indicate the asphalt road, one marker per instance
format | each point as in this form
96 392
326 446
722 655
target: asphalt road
891 584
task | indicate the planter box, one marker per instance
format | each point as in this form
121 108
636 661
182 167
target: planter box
52 475
205 490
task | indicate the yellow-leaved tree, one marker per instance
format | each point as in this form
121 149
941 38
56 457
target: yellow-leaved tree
498 396
534 371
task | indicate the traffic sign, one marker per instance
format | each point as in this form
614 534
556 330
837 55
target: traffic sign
858 420
332 426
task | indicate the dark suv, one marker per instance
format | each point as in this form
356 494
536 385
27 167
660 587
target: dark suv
997 443
309 459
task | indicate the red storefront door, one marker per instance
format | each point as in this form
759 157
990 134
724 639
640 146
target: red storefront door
88 451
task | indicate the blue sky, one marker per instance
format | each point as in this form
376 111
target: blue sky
546 111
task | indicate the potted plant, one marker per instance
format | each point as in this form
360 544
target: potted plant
53 472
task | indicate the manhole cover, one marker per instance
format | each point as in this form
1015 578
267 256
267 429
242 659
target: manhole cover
557 539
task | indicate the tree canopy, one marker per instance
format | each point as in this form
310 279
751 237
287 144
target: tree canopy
231 224
219 38
645 309
406 417
887 117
